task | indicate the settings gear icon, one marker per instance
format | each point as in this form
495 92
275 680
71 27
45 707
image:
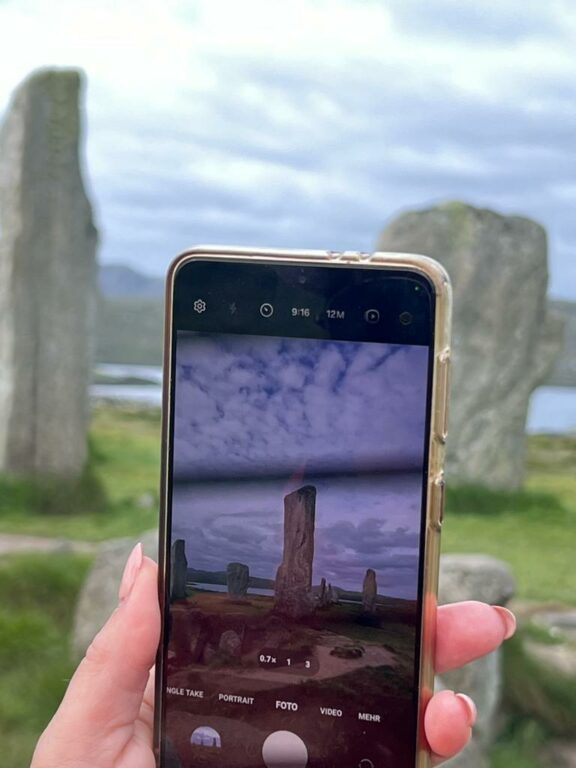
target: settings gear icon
199 306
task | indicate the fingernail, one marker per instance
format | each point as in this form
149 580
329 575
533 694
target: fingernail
133 565
508 619
471 710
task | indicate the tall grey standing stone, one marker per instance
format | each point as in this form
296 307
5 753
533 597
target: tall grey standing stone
178 570
505 339
237 579
47 280
294 577
369 591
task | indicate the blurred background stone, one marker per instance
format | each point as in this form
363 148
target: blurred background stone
471 757
475 577
99 595
47 280
505 338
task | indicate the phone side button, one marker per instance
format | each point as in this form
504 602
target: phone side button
439 491
444 375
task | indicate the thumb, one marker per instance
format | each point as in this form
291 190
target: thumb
105 694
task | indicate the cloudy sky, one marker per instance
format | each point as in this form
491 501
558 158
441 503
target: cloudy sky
311 123
351 405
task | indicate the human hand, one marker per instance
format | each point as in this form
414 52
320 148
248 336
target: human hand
106 717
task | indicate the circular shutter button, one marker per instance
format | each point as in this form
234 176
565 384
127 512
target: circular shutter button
283 749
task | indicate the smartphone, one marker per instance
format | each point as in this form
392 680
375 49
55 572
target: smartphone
305 407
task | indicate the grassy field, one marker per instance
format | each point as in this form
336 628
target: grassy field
533 530
37 595
118 497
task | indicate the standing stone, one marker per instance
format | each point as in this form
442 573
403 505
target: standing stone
323 594
237 579
564 372
369 591
178 570
47 280
332 595
505 339
294 577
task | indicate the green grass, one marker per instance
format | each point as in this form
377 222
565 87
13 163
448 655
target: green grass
541 703
533 530
37 598
519 745
124 468
536 691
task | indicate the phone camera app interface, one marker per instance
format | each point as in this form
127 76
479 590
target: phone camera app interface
296 513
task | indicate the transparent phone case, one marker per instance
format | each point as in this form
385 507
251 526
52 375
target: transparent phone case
438 277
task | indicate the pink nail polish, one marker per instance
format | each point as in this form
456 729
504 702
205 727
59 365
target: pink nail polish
131 570
508 619
471 710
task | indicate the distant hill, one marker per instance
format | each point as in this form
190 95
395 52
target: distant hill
119 281
130 316
130 331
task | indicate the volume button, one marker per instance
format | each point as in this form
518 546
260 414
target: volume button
439 499
444 374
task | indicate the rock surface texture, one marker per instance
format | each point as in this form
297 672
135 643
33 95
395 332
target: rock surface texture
369 591
294 576
178 570
564 372
237 578
47 280
475 577
505 338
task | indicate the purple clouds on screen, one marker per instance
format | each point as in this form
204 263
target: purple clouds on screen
280 412
248 403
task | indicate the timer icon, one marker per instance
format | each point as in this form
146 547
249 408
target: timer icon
200 306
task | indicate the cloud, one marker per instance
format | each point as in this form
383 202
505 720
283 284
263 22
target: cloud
480 23
310 124
248 405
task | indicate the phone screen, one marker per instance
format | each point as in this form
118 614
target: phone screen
297 467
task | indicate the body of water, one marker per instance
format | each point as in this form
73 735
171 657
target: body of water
224 588
256 591
552 410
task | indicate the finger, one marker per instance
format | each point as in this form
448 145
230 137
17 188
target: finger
448 724
467 631
144 725
106 691
146 714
